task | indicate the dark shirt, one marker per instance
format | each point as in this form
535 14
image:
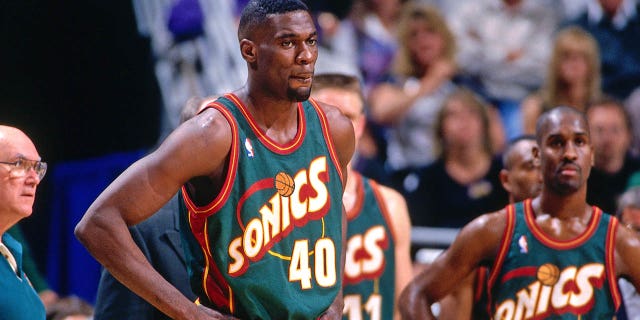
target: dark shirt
619 53
603 188
439 201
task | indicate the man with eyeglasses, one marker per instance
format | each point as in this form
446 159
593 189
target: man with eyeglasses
20 173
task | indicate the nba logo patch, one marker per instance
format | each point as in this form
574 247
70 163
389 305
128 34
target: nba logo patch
522 243
249 147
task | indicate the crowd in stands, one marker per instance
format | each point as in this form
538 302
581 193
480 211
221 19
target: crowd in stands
509 60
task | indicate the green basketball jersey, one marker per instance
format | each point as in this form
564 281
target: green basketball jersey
369 272
269 246
537 277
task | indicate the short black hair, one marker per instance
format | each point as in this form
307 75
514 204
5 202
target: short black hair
510 147
543 120
256 12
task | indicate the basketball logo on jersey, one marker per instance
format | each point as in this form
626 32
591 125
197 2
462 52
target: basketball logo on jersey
249 147
294 202
555 292
365 255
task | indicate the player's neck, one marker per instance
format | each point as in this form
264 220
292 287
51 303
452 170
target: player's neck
563 206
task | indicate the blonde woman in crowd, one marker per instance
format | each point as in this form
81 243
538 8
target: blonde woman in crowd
420 81
573 77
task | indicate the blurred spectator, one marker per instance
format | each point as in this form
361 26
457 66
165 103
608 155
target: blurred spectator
366 38
464 181
616 25
633 108
419 83
629 214
504 48
190 39
613 164
70 308
573 77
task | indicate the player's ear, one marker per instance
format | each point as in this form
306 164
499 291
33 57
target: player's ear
248 50
504 180
535 151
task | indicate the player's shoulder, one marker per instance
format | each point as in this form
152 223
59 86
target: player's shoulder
332 112
390 195
491 223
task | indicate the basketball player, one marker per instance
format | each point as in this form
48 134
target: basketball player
520 177
378 230
553 256
256 248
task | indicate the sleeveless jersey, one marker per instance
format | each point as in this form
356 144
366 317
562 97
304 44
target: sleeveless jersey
369 273
269 245
536 277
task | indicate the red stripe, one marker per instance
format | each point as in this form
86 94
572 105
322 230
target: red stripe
359 197
519 272
610 267
222 197
560 244
504 246
269 143
383 208
327 137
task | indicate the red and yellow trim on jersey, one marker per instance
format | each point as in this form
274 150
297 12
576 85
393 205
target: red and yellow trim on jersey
537 232
383 208
274 146
327 137
222 197
354 212
612 230
510 216
214 284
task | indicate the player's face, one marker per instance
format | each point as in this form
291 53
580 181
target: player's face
17 193
566 153
425 43
462 125
348 102
609 134
524 175
286 55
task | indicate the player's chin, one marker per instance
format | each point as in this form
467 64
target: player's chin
300 93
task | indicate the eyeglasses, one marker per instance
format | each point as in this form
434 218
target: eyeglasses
21 167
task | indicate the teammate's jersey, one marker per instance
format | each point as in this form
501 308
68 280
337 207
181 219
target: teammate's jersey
536 277
369 273
269 245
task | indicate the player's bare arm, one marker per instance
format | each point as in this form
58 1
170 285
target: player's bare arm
401 224
199 147
627 255
478 242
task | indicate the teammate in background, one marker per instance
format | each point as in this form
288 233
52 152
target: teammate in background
554 255
21 171
378 260
521 173
262 174
521 178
